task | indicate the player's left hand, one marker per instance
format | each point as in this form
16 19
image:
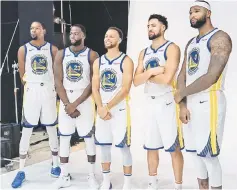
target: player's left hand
178 96
108 116
75 114
70 108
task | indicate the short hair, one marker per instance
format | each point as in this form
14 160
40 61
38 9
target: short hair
160 18
83 29
118 30
203 2
41 23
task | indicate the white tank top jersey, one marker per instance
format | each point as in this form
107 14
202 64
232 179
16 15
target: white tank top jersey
111 75
76 69
154 58
38 63
198 60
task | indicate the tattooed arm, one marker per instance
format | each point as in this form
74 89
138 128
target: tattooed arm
221 47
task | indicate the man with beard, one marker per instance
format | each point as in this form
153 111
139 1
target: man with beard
73 73
35 60
200 94
111 83
157 66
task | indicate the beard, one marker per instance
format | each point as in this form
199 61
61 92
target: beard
110 46
154 36
199 23
77 42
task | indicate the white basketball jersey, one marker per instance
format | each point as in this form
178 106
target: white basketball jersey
76 69
198 60
154 58
111 74
38 63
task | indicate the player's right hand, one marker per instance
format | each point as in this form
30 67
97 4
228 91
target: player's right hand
157 70
184 115
75 114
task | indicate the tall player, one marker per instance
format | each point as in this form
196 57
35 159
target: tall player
35 60
200 94
73 73
112 79
157 66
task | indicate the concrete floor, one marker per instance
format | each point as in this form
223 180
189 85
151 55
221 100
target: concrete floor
39 152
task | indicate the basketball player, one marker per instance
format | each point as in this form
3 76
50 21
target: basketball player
35 60
73 73
112 79
200 94
157 66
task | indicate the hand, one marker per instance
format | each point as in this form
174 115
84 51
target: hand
157 70
102 112
178 96
70 108
75 114
107 117
184 114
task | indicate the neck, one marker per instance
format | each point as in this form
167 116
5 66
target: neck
113 52
39 42
77 48
156 43
205 28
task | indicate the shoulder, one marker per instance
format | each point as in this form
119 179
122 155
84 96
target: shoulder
142 53
93 53
220 35
173 48
221 41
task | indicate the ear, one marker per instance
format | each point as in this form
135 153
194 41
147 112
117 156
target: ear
120 40
163 28
44 31
208 14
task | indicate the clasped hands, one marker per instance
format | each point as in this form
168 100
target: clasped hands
104 113
71 110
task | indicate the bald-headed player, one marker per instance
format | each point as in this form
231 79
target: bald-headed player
200 94
35 60
156 68
112 79
73 73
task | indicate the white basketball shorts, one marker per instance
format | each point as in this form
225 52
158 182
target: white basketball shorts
117 130
39 102
84 123
162 125
203 134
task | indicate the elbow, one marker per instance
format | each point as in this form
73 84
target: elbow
168 81
135 83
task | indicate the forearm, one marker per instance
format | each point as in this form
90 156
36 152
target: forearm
161 79
202 83
122 94
141 78
86 93
97 97
62 92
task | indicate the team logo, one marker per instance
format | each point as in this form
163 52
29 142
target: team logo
39 64
108 80
193 61
74 71
152 63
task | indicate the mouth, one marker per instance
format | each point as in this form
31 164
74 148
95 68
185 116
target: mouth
107 43
193 21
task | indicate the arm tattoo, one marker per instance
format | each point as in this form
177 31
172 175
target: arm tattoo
221 47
